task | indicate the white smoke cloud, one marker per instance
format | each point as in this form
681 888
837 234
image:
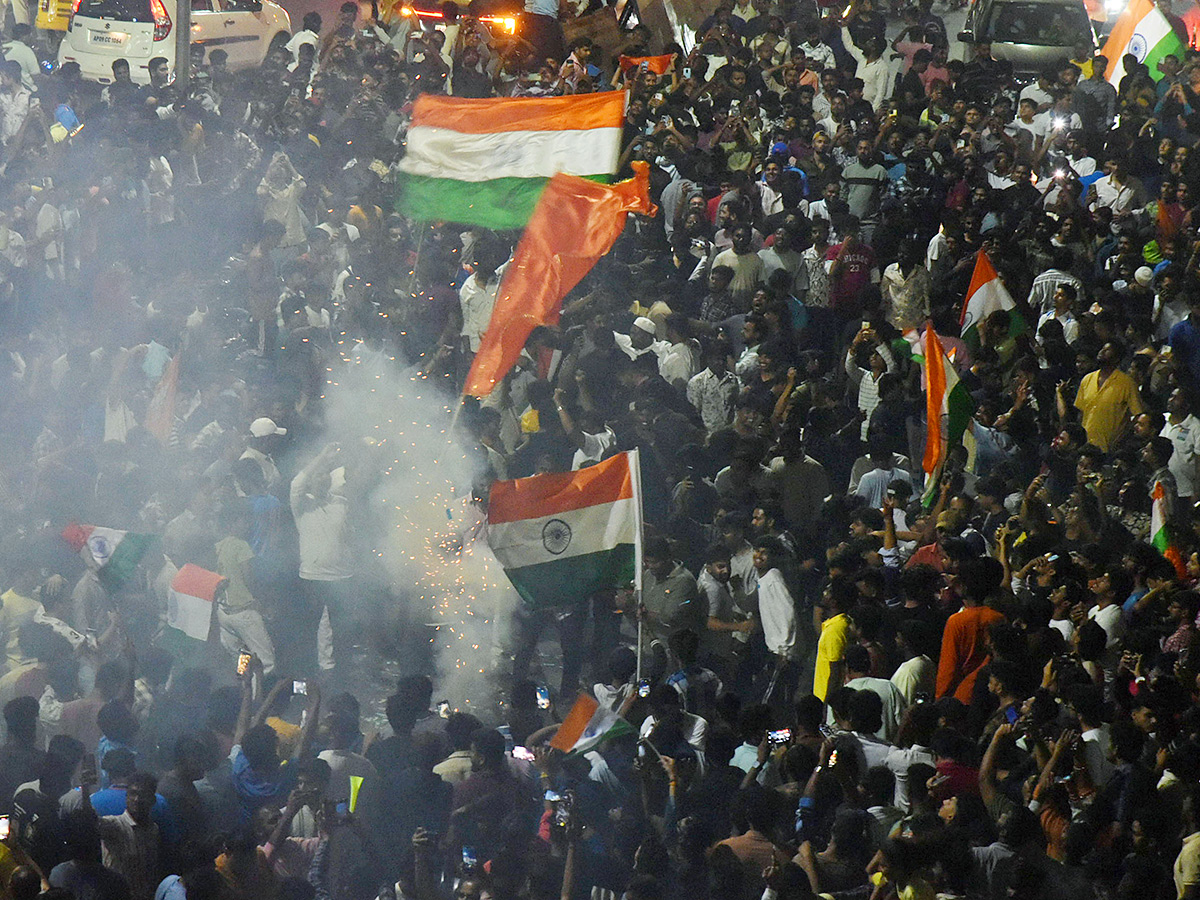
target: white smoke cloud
420 522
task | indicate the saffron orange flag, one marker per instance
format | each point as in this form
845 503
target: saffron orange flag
659 65
575 222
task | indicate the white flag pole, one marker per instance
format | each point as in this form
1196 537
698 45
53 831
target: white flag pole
635 474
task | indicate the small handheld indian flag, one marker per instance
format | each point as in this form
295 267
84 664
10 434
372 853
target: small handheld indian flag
587 725
986 295
1160 535
113 552
190 603
948 409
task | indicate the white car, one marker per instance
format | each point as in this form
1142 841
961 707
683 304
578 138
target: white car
102 31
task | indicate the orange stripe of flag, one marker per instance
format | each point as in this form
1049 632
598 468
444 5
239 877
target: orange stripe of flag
575 222
575 723
983 273
1119 37
656 64
490 115
546 495
935 390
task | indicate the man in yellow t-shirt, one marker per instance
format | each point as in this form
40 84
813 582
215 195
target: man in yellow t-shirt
1107 399
831 645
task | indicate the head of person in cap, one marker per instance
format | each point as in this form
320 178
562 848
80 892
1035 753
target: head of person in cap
642 334
265 427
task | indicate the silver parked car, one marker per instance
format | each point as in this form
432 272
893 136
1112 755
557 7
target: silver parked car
1029 34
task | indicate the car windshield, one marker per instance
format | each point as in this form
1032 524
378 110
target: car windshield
1043 24
120 10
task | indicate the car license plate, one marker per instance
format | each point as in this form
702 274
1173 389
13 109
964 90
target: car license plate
108 38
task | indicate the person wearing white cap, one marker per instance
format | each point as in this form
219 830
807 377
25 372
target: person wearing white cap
640 340
262 430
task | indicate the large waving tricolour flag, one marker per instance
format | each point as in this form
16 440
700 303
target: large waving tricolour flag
486 161
563 536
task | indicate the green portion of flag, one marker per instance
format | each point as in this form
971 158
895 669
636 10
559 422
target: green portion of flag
124 560
573 580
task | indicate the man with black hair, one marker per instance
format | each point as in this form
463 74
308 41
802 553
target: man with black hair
858 676
964 641
193 757
483 801
1110 589
753 815
728 625
83 873
913 747
21 759
777 613
456 767
669 597
130 841
1087 703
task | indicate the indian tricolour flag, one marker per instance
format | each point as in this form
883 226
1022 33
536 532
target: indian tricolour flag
114 553
563 536
191 601
948 408
486 161
587 725
986 294
1160 534
1144 32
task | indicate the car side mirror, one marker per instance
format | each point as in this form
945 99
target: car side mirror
966 37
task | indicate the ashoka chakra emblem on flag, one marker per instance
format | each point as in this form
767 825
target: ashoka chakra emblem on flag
1138 46
556 536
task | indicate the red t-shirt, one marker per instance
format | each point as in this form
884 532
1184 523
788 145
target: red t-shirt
845 291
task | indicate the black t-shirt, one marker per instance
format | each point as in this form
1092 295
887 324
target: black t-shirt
89 881
39 828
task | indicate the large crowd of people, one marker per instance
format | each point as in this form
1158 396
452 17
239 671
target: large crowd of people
854 679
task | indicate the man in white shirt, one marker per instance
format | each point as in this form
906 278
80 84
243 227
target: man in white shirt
922 722
1183 429
1041 293
478 294
321 509
678 364
714 391
777 613
19 51
641 340
344 765
308 34
1111 589
1064 300
858 667
1118 190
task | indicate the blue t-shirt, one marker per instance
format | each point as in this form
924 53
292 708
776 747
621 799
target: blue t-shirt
1184 339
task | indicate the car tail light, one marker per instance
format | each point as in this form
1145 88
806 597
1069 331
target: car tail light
162 22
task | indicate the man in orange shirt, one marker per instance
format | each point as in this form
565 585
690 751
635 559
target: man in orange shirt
964 642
